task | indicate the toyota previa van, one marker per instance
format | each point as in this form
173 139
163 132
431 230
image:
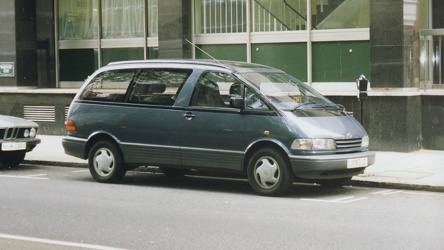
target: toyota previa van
181 115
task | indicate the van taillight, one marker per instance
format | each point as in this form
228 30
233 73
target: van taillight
70 126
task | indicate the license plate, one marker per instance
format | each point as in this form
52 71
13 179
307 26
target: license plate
13 146
357 162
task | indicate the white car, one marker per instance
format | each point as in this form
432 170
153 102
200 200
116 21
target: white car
17 137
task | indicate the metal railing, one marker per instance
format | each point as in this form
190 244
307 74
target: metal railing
229 16
431 58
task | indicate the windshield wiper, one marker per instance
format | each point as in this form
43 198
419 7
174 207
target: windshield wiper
302 104
333 105
325 105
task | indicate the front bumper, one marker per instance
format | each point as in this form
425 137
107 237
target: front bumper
31 143
328 166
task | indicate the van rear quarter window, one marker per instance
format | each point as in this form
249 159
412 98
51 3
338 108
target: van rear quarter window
143 86
109 86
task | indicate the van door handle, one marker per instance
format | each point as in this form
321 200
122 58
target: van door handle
189 116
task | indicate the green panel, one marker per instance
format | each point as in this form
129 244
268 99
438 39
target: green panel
233 52
114 55
289 57
340 61
153 53
77 64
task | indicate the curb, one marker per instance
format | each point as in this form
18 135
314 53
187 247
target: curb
357 183
392 185
57 163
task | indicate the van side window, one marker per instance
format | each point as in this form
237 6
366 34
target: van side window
214 89
109 86
158 86
253 101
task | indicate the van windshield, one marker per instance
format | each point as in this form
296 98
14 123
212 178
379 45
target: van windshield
286 92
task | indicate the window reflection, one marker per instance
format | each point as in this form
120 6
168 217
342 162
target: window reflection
78 19
340 14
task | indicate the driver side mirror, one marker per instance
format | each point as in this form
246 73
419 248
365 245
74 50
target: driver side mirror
237 102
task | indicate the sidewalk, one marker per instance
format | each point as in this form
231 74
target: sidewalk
421 170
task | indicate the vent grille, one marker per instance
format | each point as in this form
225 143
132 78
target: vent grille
66 112
348 143
39 113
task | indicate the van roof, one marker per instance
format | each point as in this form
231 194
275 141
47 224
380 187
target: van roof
231 65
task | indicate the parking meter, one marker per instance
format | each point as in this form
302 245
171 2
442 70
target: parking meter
362 84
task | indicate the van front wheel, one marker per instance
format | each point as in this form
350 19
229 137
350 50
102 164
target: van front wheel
269 173
106 163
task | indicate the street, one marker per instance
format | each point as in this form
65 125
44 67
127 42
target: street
55 207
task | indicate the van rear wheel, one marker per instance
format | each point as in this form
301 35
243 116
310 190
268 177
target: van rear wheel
106 163
269 172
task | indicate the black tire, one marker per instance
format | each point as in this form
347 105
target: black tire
106 162
12 160
269 172
334 183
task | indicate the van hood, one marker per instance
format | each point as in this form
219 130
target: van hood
333 124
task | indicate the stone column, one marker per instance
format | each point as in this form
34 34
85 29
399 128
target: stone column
7 40
393 109
26 42
174 28
18 41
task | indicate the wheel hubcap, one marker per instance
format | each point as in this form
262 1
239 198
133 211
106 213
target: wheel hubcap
267 172
103 162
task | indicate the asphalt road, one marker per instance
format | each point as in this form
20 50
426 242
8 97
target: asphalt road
48 207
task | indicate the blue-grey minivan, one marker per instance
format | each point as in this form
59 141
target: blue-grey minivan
227 116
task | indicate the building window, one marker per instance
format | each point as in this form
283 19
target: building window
222 16
78 19
313 40
230 16
269 15
93 33
340 14
122 19
432 43
152 18
77 64
121 54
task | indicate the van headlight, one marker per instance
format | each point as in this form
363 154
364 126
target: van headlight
365 141
313 144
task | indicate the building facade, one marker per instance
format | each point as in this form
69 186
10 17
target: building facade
48 47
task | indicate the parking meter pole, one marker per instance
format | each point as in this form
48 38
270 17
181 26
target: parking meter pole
362 112
362 85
